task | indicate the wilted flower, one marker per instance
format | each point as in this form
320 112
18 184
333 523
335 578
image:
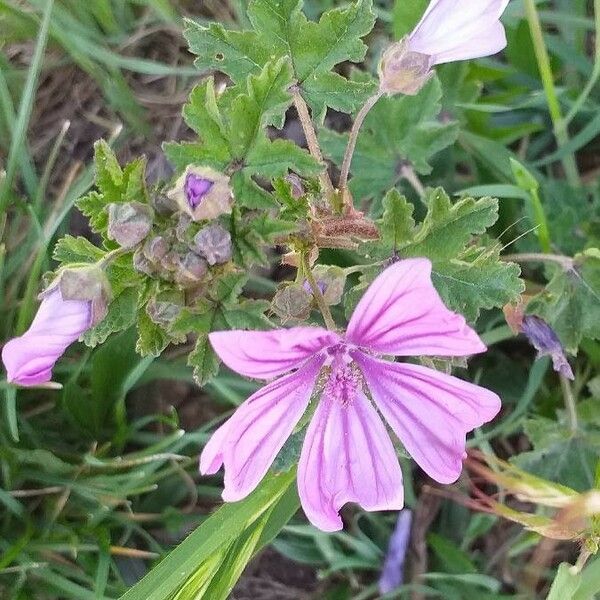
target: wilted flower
75 302
129 222
203 193
450 30
392 574
543 338
347 455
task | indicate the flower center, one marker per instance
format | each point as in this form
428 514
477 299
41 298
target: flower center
345 379
196 189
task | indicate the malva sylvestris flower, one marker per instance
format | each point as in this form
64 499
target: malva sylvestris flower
74 303
347 455
450 30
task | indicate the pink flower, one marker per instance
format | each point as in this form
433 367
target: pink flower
347 454
75 302
452 30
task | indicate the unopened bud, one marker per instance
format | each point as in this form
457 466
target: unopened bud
129 222
156 248
203 193
292 302
402 71
182 228
214 243
331 282
163 205
142 264
191 269
163 311
296 186
88 284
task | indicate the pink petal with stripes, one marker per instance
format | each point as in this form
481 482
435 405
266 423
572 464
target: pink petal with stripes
429 411
268 354
403 315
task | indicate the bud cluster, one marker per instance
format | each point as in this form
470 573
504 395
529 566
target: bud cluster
182 253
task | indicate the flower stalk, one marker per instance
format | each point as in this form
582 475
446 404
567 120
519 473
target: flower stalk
351 147
317 294
312 140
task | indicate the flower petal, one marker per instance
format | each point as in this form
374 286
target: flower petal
429 411
248 443
29 359
347 457
456 30
268 354
402 314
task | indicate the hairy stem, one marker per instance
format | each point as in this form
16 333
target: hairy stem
358 122
111 256
566 262
569 399
317 294
543 60
311 139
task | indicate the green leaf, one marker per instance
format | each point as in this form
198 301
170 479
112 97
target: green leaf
282 30
397 224
275 158
121 315
566 583
152 338
398 129
218 531
560 454
571 301
114 185
71 249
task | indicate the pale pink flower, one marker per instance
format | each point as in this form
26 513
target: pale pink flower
29 359
347 454
452 30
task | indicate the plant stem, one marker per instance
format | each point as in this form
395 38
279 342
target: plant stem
569 399
566 262
318 296
543 60
587 90
543 230
113 255
311 139
360 118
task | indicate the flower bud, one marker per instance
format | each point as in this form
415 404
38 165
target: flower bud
293 302
191 269
296 186
156 248
74 303
163 311
182 228
203 193
142 264
129 222
214 243
87 284
163 205
402 71
331 282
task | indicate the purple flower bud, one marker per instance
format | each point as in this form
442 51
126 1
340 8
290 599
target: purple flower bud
142 264
191 270
214 243
196 188
295 182
74 303
203 193
331 281
129 222
163 312
308 289
392 575
156 248
543 338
